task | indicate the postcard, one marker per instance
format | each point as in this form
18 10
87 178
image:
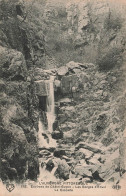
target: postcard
63 97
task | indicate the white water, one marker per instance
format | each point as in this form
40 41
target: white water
51 105
41 141
45 174
48 142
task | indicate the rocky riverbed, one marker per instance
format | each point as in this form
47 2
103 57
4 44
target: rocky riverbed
82 46
88 129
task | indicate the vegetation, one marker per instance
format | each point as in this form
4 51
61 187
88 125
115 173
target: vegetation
109 60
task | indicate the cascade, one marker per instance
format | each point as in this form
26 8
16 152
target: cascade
47 141
51 105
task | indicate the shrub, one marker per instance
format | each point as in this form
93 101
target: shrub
110 59
113 22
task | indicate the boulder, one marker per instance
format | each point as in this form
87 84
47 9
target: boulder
50 165
106 170
59 153
44 153
68 82
97 177
81 170
87 153
68 135
57 134
76 70
63 170
94 161
59 168
91 147
62 71
72 65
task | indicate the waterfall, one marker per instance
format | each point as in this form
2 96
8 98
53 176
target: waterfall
48 142
44 134
41 140
51 105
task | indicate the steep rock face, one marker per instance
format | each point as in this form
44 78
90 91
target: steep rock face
19 106
85 31
15 122
96 27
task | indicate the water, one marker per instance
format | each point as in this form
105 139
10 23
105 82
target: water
51 105
47 142
42 143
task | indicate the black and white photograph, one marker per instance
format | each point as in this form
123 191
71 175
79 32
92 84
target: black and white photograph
63 97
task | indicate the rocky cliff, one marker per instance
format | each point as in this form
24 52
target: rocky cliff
86 31
20 50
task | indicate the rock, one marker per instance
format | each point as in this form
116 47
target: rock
79 155
66 112
67 126
67 82
64 101
66 158
44 153
41 88
62 118
59 153
50 165
62 71
40 74
90 147
100 125
94 161
81 170
87 153
61 168
33 169
57 83
97 177
68 135
12 173
115 178
111 164
76 71
12 64
55 125
72 65
2 85
57 134
4 163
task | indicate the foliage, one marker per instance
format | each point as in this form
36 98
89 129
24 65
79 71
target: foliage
109 60
113 22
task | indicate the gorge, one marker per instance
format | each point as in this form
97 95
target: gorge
63 98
